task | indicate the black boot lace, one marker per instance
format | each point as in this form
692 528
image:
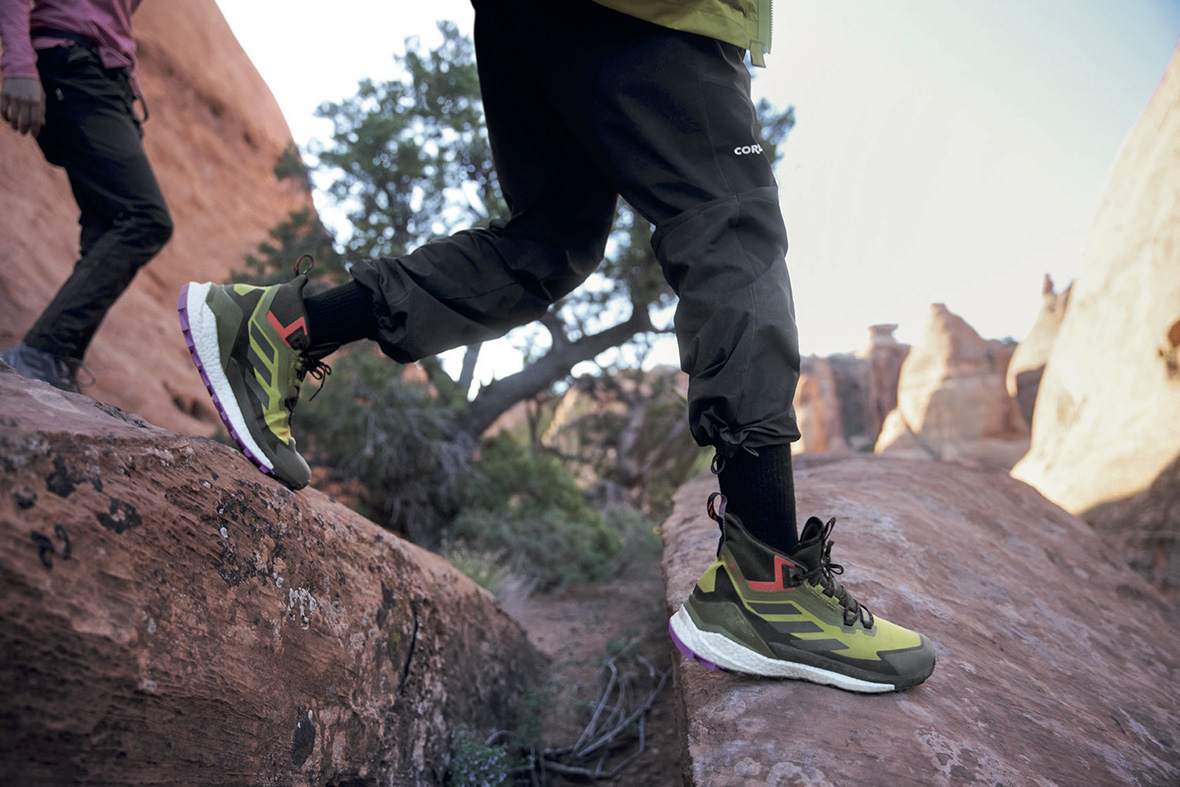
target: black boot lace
308 367
317 370
825 575
716 509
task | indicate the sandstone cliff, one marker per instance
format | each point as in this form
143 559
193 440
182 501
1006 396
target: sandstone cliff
1032 353
171 616
214 136
1057 664
885 356
952 403
818 404
842 400
1106 437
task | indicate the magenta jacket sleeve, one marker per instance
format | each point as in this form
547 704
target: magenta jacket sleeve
17 58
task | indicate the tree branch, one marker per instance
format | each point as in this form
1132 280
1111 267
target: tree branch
498 397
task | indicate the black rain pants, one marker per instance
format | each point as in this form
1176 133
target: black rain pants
584 104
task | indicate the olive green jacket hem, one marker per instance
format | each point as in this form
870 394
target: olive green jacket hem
743 23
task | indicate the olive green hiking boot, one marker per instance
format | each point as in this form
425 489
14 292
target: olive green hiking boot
250 345
762 612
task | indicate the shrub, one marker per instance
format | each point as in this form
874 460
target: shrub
527 506
390 437
476 763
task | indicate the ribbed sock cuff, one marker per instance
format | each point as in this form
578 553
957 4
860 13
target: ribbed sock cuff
339 316
760 490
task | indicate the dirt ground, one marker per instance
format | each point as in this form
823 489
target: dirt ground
579 629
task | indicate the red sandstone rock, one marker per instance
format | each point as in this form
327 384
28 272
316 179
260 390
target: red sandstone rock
214 136
817 409
952 399
1056 663
1028 361
836 397
897 441
885 355
1106 438
171 616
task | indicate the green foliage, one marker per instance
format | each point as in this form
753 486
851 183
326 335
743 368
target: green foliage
639 535
514 516
529 729
392 439
476 763
490 570
526 505
290 166
498 545
628 431
410 157
301 233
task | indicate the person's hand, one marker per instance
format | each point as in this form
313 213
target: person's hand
22 104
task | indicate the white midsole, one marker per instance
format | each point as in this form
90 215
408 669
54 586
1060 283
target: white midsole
203 331
730 655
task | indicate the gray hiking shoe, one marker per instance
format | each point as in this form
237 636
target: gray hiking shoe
48 368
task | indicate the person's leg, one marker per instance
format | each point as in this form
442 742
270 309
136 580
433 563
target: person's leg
478 284
668 117
91 131
662 116
253 345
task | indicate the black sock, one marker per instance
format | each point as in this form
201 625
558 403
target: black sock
339 316
760 491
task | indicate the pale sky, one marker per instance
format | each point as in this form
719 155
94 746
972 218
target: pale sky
946 151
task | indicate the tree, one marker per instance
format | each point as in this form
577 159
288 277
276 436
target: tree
410 158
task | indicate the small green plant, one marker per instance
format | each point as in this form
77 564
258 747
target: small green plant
639 535
290 164
476 763
489 570
530 717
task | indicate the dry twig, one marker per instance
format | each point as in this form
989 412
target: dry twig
618 721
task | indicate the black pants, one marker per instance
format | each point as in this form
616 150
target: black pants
584 104
92 132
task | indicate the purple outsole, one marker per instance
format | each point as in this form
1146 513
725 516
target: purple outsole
680 646
182 311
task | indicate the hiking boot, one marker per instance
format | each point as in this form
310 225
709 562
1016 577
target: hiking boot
250 345
48 368
763 612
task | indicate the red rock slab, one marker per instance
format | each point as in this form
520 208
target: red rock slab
171 616
1057 664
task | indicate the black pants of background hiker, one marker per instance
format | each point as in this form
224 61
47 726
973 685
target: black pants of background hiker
91 130
585 104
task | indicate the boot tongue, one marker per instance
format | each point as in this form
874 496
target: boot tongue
810 551
812 530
